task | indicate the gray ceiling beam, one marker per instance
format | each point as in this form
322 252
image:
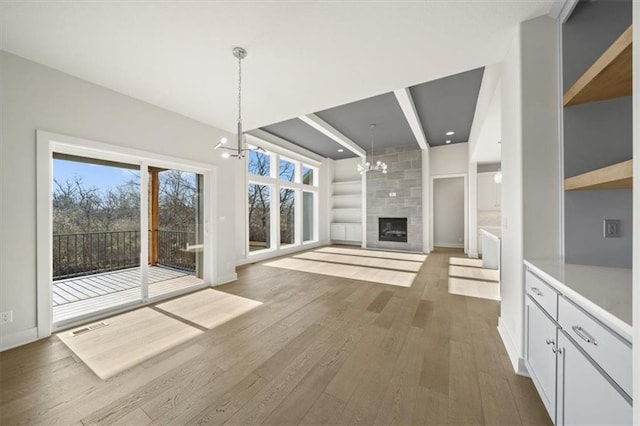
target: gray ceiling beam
328 130
409 109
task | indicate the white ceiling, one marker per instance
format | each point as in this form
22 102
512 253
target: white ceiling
303 56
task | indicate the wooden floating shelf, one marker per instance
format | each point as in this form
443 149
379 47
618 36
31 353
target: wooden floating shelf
616 176
609 77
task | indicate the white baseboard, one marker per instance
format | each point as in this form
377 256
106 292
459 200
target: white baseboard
226 279
514 356
448 245
473 254
18 339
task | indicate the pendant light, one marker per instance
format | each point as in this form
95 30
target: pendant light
240 151
369 166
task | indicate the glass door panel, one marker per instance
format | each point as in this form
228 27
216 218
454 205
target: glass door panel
96 236
176 243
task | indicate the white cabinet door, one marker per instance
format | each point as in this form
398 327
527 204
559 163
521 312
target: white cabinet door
539 354
353 232
338 232
586 395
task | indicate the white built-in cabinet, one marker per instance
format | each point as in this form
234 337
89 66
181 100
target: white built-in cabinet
488 192
580 367
346 212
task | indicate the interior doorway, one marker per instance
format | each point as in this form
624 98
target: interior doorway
448 208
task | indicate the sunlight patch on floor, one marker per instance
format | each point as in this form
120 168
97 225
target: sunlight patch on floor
209 308
413 257
375 262
362 273
468 278
127 340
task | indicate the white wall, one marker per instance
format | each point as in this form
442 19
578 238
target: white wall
530 168
448 212
346 170
36 97
449 159
510 323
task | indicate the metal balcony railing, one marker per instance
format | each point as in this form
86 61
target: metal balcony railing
88 253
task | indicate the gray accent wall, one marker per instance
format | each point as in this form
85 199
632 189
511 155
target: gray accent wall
596 135
405 179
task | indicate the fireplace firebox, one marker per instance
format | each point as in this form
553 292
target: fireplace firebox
392 229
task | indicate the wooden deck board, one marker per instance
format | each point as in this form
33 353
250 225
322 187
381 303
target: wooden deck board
80 296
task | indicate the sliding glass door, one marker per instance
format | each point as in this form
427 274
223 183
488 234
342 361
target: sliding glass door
103 259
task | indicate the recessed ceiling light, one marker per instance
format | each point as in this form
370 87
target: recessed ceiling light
447 141
449 133
340 150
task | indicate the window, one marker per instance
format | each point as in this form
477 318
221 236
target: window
308 175
282 202
308 233
259 217
287 170
287 216
259 163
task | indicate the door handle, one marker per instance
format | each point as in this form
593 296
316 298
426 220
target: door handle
537 292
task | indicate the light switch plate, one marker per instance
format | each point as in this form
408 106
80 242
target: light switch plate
611 228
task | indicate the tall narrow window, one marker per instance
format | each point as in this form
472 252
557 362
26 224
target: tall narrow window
287 216
259 217
308 225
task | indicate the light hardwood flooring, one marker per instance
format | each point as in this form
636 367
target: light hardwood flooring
319 350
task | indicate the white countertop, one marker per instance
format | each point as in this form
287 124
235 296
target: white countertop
604 292
492 232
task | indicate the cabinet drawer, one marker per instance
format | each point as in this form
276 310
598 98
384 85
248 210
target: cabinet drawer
607 349
543 293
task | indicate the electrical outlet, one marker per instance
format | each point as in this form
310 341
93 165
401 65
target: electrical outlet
392 194
6 317
611 228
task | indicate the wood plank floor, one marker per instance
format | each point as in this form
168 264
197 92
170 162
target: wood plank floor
320 350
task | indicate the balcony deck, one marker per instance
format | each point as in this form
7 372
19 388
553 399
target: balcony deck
80 296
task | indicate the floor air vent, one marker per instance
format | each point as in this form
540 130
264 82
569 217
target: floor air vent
89 328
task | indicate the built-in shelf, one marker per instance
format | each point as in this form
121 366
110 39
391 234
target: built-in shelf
609 76
347 202
616 176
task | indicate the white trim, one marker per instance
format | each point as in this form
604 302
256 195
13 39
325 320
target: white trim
409 109
44 225
517 362
560 182
260 255
465 207
328 130
20 338
283 147
226 279
448 245
562 9
47 144
144 233
363 206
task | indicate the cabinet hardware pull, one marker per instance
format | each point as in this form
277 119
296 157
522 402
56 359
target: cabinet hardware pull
535 291
556 350
584 335
550 341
